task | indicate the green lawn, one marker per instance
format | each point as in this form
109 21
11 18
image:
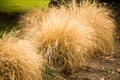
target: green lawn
22 5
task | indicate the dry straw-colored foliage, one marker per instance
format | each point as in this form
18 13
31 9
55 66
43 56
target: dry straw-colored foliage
18 60
71 34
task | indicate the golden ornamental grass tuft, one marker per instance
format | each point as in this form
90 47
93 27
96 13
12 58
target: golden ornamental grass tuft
19 60
70 35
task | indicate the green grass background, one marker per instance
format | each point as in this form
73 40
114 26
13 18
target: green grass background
22 5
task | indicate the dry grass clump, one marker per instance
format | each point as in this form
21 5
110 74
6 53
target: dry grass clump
64 42
69 35
18 60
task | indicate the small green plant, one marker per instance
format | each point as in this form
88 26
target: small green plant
51 74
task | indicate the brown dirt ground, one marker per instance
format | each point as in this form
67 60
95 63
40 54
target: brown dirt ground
104 68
